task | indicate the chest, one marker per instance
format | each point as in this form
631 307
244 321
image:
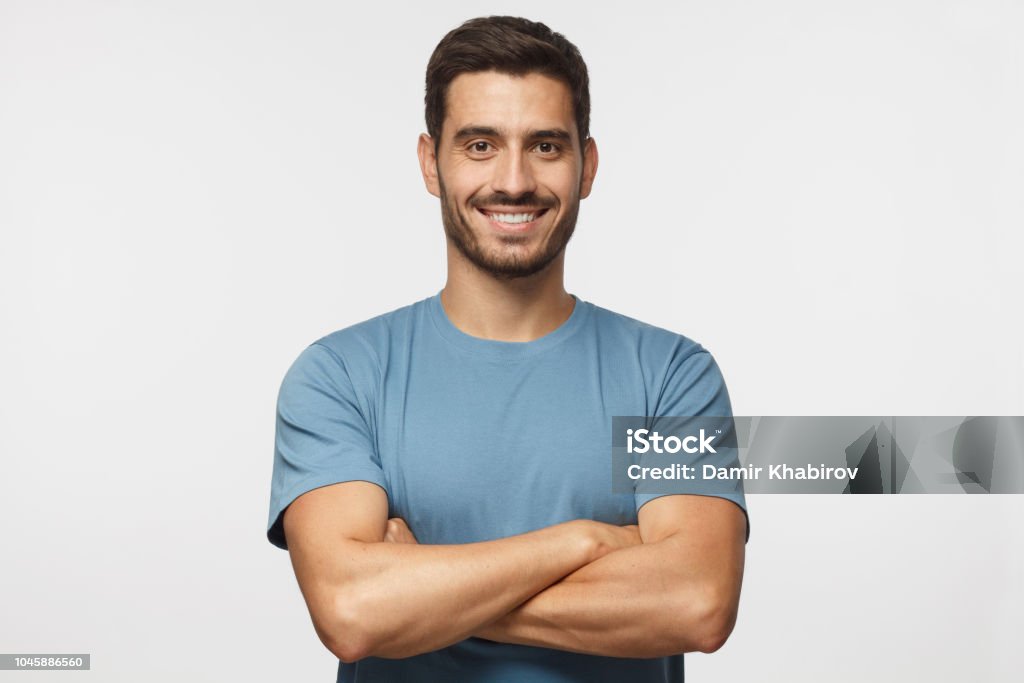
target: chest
476 452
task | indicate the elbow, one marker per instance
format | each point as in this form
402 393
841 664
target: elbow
713 640
716 624
347 648
346 633
703 622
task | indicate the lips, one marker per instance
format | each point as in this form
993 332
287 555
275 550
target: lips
513 219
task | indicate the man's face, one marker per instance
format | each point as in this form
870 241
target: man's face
510 171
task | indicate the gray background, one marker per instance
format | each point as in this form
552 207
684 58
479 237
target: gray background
826 195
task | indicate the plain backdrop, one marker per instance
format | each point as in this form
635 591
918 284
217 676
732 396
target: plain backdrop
827 195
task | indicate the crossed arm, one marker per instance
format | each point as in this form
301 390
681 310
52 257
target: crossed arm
669 585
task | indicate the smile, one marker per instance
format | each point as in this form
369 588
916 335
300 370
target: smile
518 220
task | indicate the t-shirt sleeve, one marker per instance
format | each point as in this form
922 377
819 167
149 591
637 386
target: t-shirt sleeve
694 386
322 434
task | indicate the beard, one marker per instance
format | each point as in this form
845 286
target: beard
511 260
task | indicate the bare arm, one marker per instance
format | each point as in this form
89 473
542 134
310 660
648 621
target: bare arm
677 592
369 597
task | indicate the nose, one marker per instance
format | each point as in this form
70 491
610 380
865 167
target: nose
512 174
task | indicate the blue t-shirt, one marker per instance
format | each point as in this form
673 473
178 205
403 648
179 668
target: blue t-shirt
475 440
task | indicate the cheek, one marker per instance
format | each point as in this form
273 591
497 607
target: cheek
463 170
563 181
466 186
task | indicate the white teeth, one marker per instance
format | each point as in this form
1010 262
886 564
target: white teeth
512 217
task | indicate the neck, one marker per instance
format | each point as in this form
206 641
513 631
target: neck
516 310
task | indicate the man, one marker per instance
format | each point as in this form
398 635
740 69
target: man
441 474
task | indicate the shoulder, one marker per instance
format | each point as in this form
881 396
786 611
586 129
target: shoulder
370 338
650 342
360 352
681 376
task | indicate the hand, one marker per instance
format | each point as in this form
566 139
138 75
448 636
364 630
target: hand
398 532
610 537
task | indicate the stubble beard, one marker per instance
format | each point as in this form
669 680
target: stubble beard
507 264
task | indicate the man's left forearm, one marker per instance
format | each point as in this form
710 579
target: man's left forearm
648 600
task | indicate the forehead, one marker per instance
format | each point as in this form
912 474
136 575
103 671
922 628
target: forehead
514 103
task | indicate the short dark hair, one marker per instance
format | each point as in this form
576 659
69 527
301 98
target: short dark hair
510 45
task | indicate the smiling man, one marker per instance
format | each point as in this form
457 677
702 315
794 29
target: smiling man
531 196
441 473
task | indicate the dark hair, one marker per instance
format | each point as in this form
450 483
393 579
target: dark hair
510 45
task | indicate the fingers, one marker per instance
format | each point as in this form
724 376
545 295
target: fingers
398 531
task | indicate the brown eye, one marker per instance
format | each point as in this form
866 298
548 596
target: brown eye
481 147
547 148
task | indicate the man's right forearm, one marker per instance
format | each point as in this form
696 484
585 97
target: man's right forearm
397 600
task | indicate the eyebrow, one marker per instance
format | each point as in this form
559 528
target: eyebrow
488 131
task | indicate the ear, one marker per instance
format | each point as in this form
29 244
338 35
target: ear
428 164
589 167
